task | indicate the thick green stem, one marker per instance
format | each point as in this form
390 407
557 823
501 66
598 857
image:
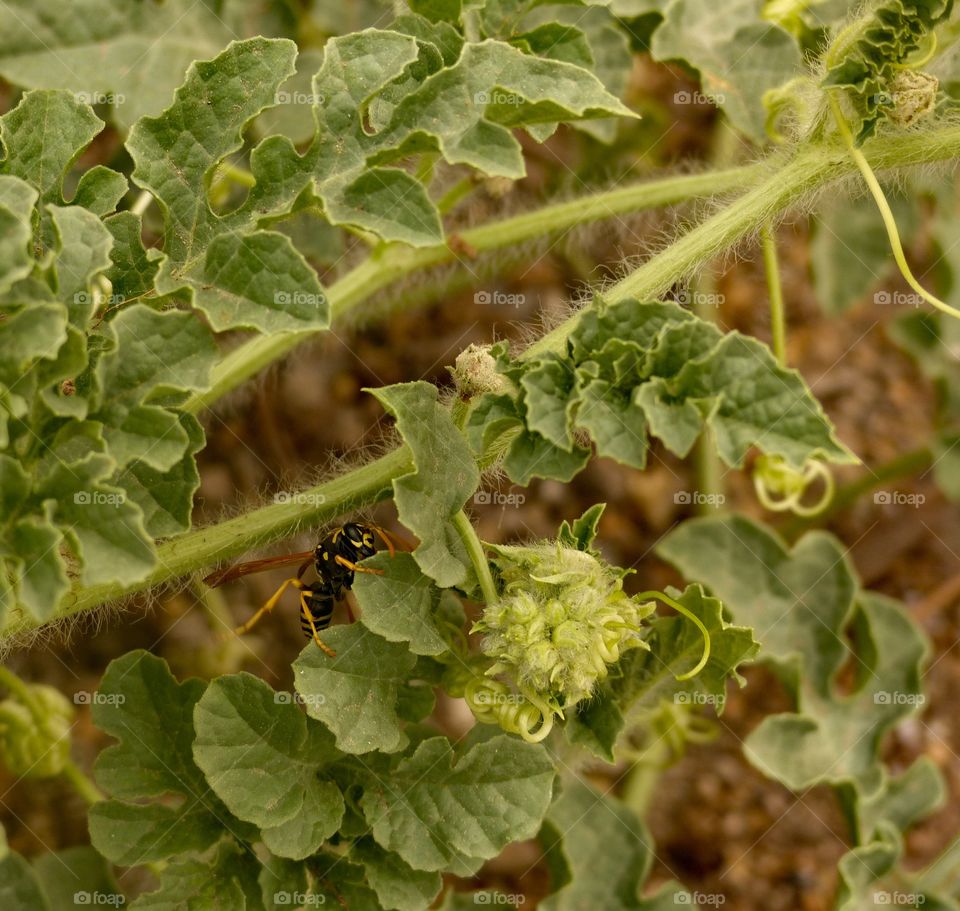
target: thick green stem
204 547
778 323
477 557
797 180
383 268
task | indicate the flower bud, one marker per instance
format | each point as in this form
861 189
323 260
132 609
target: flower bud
562 620
36 745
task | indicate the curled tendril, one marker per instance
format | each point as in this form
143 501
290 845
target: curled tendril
781 488
693 618
493 702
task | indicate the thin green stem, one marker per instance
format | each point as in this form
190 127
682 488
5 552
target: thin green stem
384 267
889 222
693 618
459 191
771 267
477 557
81 783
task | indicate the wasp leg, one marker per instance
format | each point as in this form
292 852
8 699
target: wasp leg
393 541
343 561
316 636
269 606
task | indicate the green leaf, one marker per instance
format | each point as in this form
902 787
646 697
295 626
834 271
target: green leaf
141 704
225 882
748 399
17 199
155 353
129 54
836 740
463 111
19 886
166 498
796 600
868 55
738 54
42 157
597 847
400 604
398 886
237 275
103 529
633 369
646 677
261 756
355 694
81 870
445 477
439 812
802 604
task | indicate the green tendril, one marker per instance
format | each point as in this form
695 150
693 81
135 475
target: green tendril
679 608
781 488
886 214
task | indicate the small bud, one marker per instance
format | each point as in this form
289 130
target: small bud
914 96
475 372
36 747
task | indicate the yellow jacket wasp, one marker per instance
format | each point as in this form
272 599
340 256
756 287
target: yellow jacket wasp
336 559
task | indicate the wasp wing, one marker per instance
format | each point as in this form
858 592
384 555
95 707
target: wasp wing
229 573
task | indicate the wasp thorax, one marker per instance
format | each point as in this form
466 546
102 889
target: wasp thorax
562 620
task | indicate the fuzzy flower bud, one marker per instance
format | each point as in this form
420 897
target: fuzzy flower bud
32 745
563 618
475 372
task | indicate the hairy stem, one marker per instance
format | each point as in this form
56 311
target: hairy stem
778 324
798 179
385 266
477 557
204 547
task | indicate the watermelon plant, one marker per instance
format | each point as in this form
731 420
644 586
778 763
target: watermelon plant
189 193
